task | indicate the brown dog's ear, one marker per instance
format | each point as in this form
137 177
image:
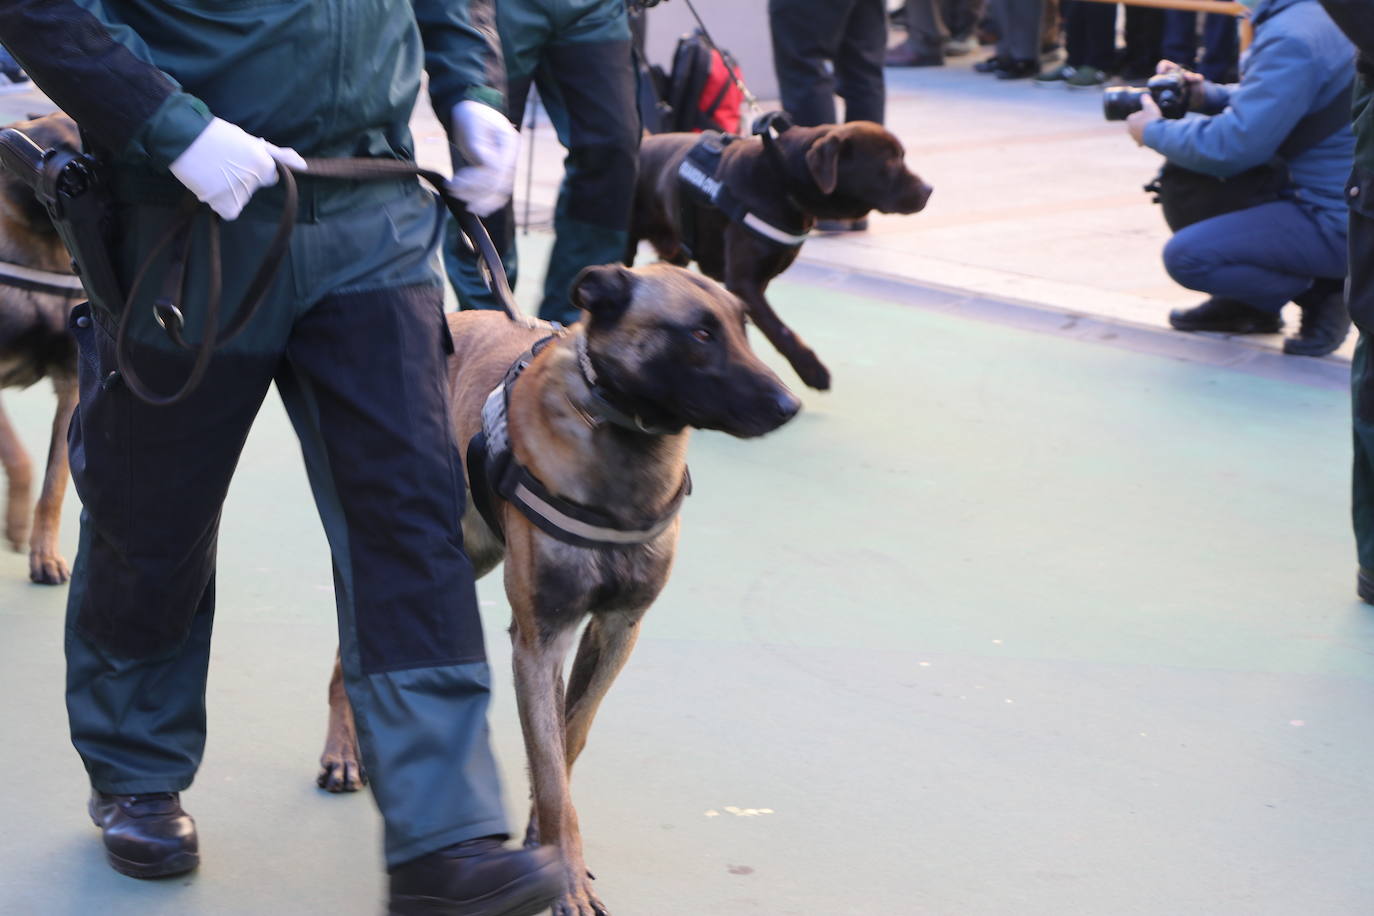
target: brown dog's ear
603 291
823 160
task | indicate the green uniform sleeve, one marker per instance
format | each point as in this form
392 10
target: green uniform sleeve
99 71
462 54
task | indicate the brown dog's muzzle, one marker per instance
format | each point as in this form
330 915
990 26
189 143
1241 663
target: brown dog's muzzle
912 198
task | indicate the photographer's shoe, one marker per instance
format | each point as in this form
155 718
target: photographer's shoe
1226 316
1325 324
477 878
147 835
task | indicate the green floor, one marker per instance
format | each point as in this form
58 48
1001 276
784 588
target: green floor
1009 623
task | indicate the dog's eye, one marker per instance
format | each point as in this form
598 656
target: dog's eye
703 335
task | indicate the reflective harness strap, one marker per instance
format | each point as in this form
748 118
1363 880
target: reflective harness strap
699 185
50 282
493 471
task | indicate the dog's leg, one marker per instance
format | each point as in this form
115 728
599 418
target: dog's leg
19 474
46 565
605 648
340 769
803 359
538 658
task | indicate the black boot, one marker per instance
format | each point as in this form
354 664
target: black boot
1227 316
1364 587
477 878
146 836
992 64
1325 321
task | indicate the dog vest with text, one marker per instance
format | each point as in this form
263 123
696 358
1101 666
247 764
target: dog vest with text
699 186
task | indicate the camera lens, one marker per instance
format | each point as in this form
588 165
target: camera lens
1120 104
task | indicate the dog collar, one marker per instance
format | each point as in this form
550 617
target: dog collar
603 410
493 471
697 176
34 280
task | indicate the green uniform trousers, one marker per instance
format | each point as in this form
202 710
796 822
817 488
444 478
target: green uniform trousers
577 52
353 334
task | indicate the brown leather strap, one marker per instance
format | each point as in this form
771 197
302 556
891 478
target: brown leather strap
179 234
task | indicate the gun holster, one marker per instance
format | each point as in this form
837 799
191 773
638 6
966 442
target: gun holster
74 188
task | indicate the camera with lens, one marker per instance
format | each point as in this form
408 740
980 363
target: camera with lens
1169 90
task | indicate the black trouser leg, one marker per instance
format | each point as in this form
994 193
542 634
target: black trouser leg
806 35
366 387
859 62
1360 297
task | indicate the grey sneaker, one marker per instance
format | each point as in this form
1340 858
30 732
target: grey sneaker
1054 77
1086 78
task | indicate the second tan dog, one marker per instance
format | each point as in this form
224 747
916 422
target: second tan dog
601 418
35 343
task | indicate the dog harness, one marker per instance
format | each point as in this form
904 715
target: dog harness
493 470
68 286
700 186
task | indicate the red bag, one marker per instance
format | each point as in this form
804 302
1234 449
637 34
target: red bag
703 93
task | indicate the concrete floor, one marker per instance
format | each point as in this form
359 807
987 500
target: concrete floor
1010 622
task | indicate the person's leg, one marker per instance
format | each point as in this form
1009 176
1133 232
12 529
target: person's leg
1180 38
1075 32
926 35
806 36
1144 41
1360 298
588 77
1264 256
859 62
1221 48
524 27
364 381
1099 28
151 481
1019 47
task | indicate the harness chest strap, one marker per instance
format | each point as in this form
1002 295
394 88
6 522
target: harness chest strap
699 184
68 286
493 471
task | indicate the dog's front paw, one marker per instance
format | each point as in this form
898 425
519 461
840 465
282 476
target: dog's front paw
46 566
580 902
340 771
811 370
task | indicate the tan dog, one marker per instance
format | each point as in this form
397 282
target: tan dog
665 347
34 343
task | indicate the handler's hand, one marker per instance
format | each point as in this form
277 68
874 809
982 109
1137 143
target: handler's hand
491 145
225 166
1137 122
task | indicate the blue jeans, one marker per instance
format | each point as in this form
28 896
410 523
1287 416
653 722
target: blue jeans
1263 256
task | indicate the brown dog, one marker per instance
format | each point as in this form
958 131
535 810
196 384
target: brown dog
828 172
34 343
664 350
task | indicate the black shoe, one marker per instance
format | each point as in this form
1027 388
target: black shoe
146 836
1018 69
1325 321
1364 587
903 56
1227 316
992 64
477 878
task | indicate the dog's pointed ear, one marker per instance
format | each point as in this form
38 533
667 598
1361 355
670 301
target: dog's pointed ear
823 161
604 291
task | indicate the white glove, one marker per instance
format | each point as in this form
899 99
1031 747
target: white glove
224 166
491 145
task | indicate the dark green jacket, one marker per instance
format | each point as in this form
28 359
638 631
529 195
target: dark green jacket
325 77
1356 19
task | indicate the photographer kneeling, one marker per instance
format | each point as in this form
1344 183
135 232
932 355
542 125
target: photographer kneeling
1271 159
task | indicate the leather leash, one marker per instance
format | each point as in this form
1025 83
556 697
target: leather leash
178 238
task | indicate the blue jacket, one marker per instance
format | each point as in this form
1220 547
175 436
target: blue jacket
1299 62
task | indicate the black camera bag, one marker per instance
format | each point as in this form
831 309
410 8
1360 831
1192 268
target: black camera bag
1190 197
